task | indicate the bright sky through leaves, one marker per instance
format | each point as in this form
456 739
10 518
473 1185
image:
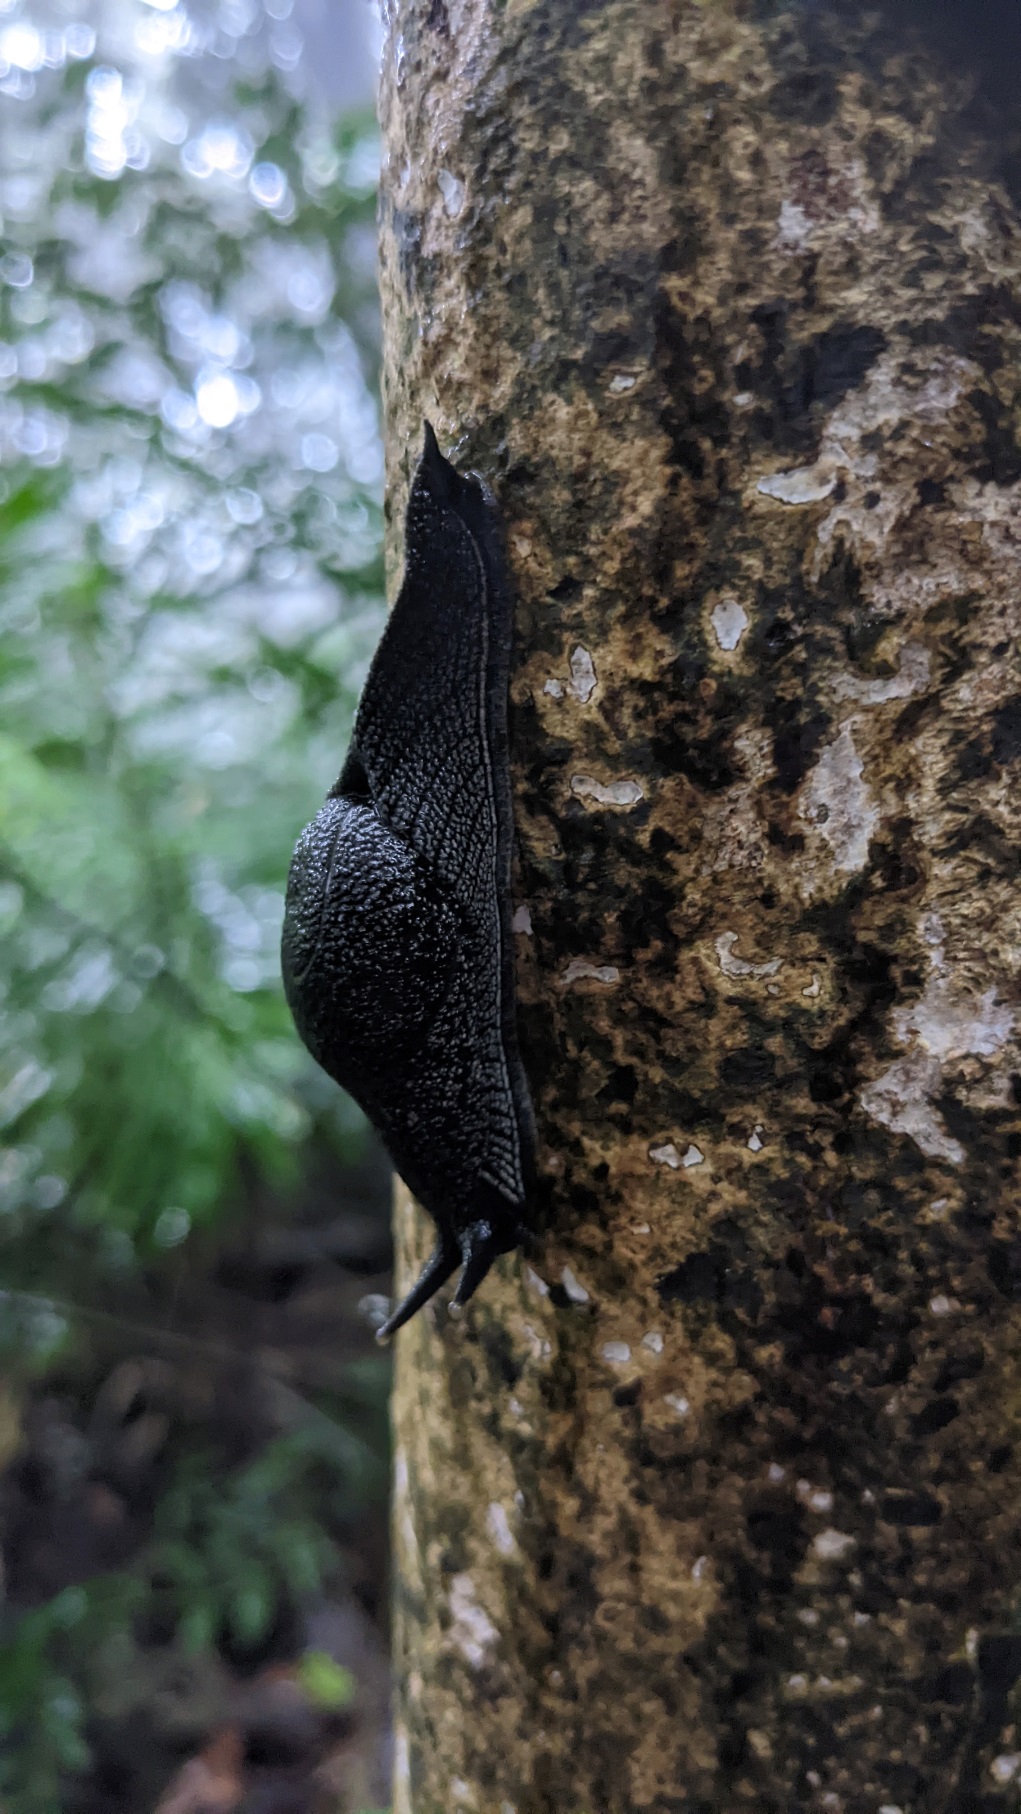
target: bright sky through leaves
190 483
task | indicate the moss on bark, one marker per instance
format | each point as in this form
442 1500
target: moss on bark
714 1501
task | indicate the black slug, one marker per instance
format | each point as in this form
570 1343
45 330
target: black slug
397 951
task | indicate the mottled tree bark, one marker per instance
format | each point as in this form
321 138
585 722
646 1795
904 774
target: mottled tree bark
714 1500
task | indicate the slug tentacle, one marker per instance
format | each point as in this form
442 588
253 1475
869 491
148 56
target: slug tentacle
437 1270
397 949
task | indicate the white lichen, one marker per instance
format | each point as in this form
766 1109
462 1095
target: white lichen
739 966
471 1629
794 227
802 485
911 677
575 1291
836 802
874 501
729 621
692 1157
539 1347
945 1023
949 1024
522 921
404 1522
583 675
902 1100
831 1545
617 1354
453 191
499 1528
580 970
613 793
402 1762
666 1155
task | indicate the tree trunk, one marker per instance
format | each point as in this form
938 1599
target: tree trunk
714 1500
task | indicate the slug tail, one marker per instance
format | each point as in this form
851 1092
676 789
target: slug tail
481 1246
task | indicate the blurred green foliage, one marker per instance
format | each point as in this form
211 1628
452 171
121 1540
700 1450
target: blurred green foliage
189 593
190 590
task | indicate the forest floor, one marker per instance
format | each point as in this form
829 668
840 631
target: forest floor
241 1388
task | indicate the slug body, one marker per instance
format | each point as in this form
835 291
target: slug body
397 949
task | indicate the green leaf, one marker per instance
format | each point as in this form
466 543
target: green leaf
326 1683
196 1629
299 1551
251 1605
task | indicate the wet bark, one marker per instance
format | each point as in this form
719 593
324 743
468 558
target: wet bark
714 1500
